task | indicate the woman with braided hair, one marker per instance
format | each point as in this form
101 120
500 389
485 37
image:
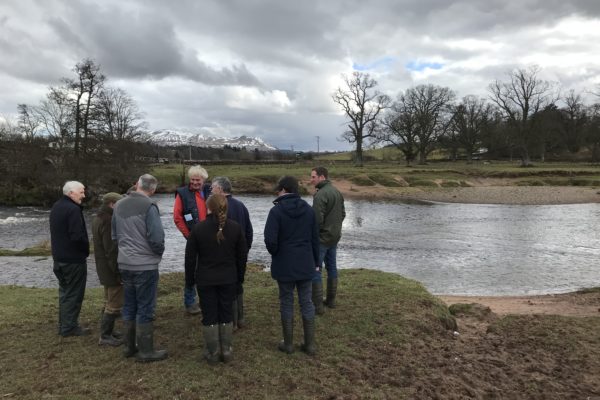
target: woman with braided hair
215 256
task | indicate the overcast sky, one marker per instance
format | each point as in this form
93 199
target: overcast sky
267 68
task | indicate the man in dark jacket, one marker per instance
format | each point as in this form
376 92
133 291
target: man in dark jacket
292 239
105 253
328 204
137 228
237 211
189 209
70 249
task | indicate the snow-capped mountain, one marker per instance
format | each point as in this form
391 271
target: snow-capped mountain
170 137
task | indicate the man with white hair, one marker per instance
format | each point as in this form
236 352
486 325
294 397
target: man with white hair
189 209
70 249
140 237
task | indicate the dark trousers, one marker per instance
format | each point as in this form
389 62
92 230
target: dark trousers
71 289
216 303
286 299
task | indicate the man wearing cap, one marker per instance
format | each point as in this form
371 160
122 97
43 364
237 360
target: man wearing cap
105 253
70 249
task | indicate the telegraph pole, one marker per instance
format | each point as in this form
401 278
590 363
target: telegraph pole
318 137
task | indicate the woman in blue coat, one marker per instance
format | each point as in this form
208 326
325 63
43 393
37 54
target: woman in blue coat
292 239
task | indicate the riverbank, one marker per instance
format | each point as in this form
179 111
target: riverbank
388 338
485 193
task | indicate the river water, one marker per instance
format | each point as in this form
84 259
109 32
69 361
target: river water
460 249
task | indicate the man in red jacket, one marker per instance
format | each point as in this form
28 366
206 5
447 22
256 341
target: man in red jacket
188 210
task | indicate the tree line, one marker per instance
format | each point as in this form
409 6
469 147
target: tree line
82 129
522 115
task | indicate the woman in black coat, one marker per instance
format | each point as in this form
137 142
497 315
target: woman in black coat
215 257
292 239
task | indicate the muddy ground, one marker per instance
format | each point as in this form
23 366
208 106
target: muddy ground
536 347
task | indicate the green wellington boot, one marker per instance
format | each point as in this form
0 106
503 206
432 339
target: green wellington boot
309 346
211 343
226 340
331 292
130 347
145 341
287 345
317 297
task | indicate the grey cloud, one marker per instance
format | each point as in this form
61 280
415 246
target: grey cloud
140 45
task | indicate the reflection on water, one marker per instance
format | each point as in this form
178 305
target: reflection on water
450 248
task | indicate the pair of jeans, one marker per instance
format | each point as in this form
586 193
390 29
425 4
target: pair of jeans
139 295
71 289
328 256
216 303
189 295
286 299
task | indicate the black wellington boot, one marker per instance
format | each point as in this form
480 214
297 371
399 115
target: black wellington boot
106 331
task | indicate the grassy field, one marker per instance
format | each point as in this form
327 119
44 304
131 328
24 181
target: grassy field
385 314
388 338
261 178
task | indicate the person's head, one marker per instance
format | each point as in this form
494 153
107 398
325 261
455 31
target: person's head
318 174
217 205
75 191
197 175
147 184
286 184
221 185
110 198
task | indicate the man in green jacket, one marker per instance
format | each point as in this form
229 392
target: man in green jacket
105 253
328 204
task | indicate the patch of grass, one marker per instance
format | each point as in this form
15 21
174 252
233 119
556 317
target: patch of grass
377 317
362 180
454 183
585 182
416 182
385 180
42 249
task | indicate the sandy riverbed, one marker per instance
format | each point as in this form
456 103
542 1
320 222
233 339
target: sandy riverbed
483 194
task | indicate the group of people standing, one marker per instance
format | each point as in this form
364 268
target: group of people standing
129 241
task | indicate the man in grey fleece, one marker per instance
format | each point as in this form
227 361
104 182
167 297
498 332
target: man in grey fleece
140 237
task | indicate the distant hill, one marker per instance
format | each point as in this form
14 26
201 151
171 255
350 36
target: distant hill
170 137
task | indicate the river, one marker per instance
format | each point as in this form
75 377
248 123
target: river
458 249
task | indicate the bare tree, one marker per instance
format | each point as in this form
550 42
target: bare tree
8 127
117 116
28 122
520 99
56 115
574 118
86 87
362 104
399 128
429 105
470 120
